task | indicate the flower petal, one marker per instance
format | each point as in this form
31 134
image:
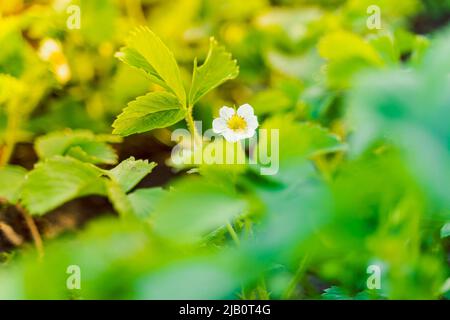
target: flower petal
252 122
219 125
226 112
245 110
230 135
249 133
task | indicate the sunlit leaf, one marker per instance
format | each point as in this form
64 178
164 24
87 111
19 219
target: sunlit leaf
341 45
9 87
118 198
347 54
83 145
217 68
152 111
129 172
12 178
146 51
132 57
94 11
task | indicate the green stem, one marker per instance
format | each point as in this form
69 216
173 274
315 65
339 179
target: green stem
233 234
10 136
134 9
297 277
323 166
248 228
191 125
262 290
34 231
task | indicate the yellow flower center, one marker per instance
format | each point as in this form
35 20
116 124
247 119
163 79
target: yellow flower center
237 123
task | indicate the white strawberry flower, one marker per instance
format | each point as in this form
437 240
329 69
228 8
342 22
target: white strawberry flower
236 125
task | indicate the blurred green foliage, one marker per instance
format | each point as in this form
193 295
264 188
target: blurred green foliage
364 147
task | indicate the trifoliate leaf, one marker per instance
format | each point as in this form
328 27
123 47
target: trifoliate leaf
154 110
80 144
143 201
58 180
147 52
129 172
218 68
180 216
11 180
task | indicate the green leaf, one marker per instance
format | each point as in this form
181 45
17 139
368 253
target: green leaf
390 106
342 45
58 180
143 201
129 172
80 144
92 12
348 54
270 101
335 293
154 110
299 139
125 177
218 68
194 208
118 198
299 66
289 143
11 178
134 59
147 52
445 230
386 48
338 293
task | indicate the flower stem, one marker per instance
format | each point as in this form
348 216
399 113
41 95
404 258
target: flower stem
10 137
33 231
191 125
134 9
10 234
